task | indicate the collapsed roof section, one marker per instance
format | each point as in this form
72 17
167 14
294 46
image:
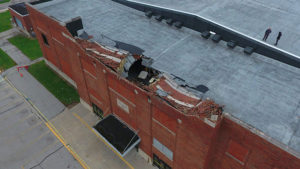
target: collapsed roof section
137 69
109 56
182 99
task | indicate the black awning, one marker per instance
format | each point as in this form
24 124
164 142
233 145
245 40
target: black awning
117 134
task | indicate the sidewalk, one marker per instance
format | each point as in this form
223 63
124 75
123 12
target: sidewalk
10 49
37 93
27 84
75 126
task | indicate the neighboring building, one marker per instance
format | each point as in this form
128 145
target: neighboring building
166 83
20 17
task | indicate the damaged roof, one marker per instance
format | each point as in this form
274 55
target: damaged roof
258 90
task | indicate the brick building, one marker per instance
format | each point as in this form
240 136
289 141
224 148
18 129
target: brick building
20 17
194 103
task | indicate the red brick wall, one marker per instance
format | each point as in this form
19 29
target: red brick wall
57 35
25 19
260 154
195 145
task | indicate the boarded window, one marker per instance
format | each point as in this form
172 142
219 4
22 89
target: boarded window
237 152
163 149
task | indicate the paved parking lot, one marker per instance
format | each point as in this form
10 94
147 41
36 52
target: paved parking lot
25 141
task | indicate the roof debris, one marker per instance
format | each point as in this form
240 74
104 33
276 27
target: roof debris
168 87
184 100
107 56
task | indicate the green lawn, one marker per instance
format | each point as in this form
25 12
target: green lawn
5 23
5 61
62 90
30 47
4 1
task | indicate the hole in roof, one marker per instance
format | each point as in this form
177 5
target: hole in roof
140 73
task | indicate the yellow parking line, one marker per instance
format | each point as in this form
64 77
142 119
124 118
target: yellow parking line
90 128
81 162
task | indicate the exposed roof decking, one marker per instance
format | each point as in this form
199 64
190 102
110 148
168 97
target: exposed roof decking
260 91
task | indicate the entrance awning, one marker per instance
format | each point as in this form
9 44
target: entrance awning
117 134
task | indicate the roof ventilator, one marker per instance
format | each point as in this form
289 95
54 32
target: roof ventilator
169 21
178 24
159 18
216 38
74 25
231 44
248 50
149 14
205 34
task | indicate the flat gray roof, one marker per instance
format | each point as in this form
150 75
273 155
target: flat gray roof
258 90
249 17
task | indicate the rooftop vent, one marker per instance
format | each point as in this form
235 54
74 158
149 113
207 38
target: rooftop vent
159 18
169 21
149 14
248 50
231 44
216 38
178 24
74 25
205 34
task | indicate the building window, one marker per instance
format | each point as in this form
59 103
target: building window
163 149
237 152
45 39
97 111
18 23
160 163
